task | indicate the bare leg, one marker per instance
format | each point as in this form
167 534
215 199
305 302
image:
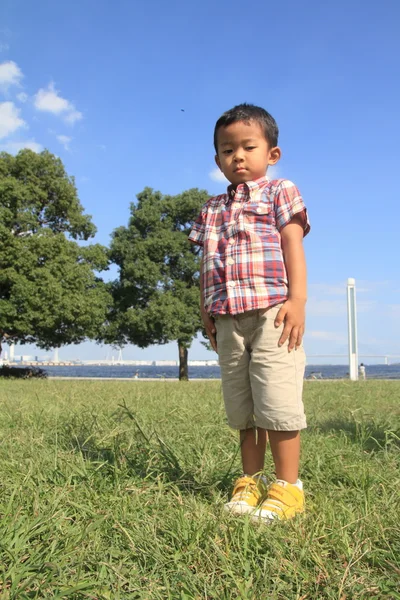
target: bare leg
285 448
253 450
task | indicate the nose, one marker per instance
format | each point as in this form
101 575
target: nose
238 155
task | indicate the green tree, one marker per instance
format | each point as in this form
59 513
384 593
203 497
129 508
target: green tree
50 294
156 299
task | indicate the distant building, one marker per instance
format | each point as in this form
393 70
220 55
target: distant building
165 363
203 363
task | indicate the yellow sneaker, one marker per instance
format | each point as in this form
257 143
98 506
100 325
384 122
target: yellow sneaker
284 501
246 496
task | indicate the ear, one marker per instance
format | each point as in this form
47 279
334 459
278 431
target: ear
274 155
217 162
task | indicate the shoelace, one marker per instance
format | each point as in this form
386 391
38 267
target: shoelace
245 490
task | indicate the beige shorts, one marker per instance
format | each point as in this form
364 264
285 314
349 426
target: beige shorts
262 383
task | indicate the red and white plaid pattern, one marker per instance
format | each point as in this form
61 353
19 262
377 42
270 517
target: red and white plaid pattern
243 266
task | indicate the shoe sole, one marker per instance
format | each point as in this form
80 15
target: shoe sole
269 518
257 518
239 508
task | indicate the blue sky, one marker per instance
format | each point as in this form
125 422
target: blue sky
102 85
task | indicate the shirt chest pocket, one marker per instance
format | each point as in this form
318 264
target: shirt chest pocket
259 218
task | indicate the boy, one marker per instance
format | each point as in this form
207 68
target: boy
253 296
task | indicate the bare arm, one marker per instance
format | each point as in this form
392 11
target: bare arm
208 321
293 311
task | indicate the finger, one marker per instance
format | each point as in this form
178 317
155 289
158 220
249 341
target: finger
209 323
294 334
280 317
211 329
213 342
211 334
300 337
285 334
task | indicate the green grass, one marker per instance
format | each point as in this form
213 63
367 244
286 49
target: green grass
114 490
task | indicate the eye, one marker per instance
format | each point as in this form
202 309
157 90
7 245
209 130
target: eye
227 152
251 147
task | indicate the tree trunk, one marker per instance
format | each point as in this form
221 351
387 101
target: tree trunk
183 362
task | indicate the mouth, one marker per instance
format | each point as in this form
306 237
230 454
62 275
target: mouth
240 170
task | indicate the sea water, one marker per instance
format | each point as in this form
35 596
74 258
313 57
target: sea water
202 372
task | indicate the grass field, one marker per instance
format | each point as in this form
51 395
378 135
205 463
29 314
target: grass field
114 490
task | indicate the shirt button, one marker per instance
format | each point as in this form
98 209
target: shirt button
258 209
231 241
230 261
231 284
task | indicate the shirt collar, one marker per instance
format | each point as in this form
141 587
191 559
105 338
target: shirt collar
248 186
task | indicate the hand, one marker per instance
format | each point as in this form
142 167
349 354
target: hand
209 326
292 314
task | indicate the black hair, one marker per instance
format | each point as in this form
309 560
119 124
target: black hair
249 112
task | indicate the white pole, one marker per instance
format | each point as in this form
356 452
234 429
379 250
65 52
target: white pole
352 328
55 357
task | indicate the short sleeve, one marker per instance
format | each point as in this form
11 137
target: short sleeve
198 230
288 203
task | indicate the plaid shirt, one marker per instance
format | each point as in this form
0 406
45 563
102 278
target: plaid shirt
243 265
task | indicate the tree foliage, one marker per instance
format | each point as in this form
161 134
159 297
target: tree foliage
156 299
49 292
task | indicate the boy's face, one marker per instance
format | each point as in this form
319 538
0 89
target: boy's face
243 152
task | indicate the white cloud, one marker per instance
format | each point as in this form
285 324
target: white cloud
394 309
22 97
217 175
65 140
10 74
340 289
273 172
49 100
10 120
15 147
73 116
327 336
366 306
327 289
317 307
